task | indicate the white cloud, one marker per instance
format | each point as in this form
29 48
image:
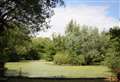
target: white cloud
83 15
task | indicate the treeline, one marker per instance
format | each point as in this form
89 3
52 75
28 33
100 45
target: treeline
80 45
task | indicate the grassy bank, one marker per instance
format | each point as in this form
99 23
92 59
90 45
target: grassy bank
48 69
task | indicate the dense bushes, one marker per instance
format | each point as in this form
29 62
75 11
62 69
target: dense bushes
32 55
49 56
69 58
77 60
62 58
12 41
112 58
85 44
14 57
113 62
44 47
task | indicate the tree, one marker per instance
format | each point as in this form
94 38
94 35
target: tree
11 40
34 14
59 42
115 33
85 44
32 54
113 52
30 15
44 47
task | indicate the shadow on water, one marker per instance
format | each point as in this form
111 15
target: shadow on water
15 76
26 79
15 73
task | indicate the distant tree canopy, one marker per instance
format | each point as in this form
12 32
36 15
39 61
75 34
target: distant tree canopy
31 13
83 44
115 33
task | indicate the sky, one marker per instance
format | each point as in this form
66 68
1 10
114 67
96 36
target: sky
102 14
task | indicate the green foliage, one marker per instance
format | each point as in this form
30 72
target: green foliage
13 42
59 42
115 33
32 55
72 27
112 58
112 61
14 57
44 47
50 54
62 58
86 41
4 57
19 19
77 60
81 45
30 13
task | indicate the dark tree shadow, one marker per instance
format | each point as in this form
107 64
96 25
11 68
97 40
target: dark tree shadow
15 76
15 73
26 79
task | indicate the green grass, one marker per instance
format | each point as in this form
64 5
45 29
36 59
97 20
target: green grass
48 69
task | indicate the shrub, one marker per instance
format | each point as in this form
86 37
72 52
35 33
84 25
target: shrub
49 55
67 58
62 58
32 55
112 62
77 60
14 57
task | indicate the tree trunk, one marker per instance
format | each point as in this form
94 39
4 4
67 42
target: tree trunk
118 75
2 69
